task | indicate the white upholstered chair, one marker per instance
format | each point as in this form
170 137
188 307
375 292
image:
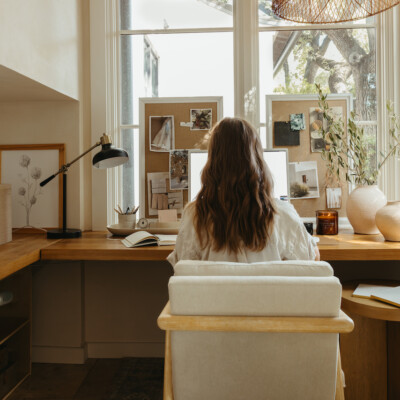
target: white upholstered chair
262 331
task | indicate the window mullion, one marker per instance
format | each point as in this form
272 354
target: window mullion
246 68
389 90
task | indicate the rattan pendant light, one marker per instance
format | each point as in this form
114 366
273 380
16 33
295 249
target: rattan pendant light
329 11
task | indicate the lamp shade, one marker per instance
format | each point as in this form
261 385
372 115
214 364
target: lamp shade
329 11
109 157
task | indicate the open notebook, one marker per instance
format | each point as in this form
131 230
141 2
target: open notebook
143 238
386 294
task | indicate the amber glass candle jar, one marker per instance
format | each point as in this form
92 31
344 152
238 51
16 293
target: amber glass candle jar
327 222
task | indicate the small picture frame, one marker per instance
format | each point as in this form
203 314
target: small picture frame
333 197
24 167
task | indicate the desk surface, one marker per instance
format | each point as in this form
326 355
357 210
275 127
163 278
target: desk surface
23 250
368 307
28 248
102 246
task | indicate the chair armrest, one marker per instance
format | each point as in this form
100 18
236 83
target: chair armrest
169 322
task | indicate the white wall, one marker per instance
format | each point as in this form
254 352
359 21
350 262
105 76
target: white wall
40 39
47 122
48 41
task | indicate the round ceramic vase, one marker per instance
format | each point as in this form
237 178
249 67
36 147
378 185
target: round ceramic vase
361 208
388 221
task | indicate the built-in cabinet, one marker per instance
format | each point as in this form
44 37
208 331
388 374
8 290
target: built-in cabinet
98 309
15 330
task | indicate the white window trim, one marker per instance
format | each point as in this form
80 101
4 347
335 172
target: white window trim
388 88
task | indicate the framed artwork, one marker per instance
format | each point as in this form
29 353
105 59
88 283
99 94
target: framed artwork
24 167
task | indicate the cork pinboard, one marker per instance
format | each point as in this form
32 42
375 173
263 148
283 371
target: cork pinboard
279 108
184 137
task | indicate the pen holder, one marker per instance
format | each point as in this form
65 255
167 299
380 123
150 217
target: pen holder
127 221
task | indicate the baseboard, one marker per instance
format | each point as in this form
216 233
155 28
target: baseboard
59 355
119 350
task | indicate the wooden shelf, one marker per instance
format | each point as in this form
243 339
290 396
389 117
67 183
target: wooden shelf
10 326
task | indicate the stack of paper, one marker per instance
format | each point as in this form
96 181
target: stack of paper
387 294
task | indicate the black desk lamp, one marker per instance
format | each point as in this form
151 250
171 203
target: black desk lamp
107 157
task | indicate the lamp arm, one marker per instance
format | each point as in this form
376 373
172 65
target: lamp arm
64 168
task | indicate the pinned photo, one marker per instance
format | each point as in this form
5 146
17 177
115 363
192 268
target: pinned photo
160 196
178 169
201 119
162 133
317 122
284 135
297 122
303 178
333 197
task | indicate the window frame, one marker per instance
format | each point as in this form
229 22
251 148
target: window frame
105 77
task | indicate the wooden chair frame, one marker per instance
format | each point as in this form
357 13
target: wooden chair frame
169 322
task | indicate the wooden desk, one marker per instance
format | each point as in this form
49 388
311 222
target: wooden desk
371 353
22 251
26 249
103 246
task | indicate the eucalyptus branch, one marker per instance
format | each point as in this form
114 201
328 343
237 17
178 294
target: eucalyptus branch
348 150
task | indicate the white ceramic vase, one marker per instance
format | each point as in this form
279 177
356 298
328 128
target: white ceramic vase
361 208
388 221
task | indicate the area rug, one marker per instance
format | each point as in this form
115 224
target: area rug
138 379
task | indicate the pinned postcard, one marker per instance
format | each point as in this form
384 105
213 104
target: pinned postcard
167 215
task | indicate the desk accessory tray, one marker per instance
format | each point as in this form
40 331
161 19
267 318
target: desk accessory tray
166 228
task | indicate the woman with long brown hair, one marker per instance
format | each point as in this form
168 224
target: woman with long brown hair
234 217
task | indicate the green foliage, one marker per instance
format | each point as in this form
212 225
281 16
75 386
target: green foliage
358 169
394 134
351 151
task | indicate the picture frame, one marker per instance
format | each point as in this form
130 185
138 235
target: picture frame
24 166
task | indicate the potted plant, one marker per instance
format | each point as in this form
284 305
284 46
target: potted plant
346 155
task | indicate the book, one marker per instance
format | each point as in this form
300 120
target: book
364 290
389 295
143 238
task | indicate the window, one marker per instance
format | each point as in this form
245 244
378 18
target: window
186 48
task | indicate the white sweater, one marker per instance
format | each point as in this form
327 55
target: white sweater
289 240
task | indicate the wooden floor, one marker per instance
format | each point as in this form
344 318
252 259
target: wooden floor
90 381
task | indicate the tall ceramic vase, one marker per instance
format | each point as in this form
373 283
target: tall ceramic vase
361 208
388 221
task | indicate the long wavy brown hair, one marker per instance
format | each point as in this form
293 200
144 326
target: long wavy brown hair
234 208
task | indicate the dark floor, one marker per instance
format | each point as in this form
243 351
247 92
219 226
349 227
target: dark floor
90 381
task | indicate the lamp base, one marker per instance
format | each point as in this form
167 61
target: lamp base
64 234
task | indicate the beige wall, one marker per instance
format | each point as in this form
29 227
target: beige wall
48 41
40 39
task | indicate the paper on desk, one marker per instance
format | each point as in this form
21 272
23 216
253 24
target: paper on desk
365 290
389 295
